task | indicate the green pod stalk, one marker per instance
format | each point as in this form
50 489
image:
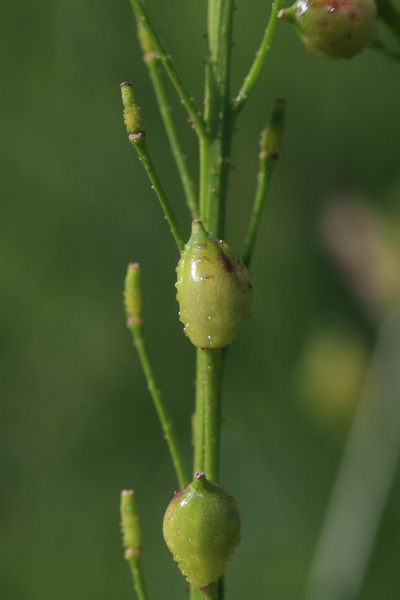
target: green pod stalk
214 290
202 528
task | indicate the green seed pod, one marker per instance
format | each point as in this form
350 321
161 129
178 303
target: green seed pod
215 290
334 28
202 528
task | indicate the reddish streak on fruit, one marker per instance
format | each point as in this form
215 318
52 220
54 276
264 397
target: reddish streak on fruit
334 4
177 495
230 267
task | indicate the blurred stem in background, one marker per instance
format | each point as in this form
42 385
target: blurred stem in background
364 478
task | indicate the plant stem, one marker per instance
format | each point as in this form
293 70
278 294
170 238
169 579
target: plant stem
210 360
138 140
195 594
135 566
198 459
143 18
270 142
152 62
210 593
390 15
133 305
261 55
386 49
132 540
215 147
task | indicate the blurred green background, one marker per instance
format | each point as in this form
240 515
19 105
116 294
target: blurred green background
77 422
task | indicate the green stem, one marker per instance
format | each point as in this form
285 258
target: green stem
150 58
138 140
270 142
221 375
135 566
210 593
261 55
390 15
143 18
195 594
214 170
387 49
133 305
198 460
132 540
209 372
215 148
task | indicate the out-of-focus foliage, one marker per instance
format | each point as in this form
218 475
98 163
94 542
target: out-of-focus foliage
77 423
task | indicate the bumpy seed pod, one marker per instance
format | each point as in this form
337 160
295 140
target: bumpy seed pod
215 290
334 28
202 528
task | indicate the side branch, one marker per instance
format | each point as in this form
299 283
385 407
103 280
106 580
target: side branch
270 142
390 15
138 140
261 55
152 62
133 307
132 541
143 18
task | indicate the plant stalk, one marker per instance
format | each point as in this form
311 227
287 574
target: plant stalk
137 137
133 305
215 147
261 55
210 362
143 18
156 76
270 143
132 541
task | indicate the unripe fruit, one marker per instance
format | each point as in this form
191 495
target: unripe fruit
334 28
214 290
202 528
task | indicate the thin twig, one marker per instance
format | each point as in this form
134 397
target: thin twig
153 65
389 50
138 140
390 15
270 142
142 17
132 541
261 55
133 306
